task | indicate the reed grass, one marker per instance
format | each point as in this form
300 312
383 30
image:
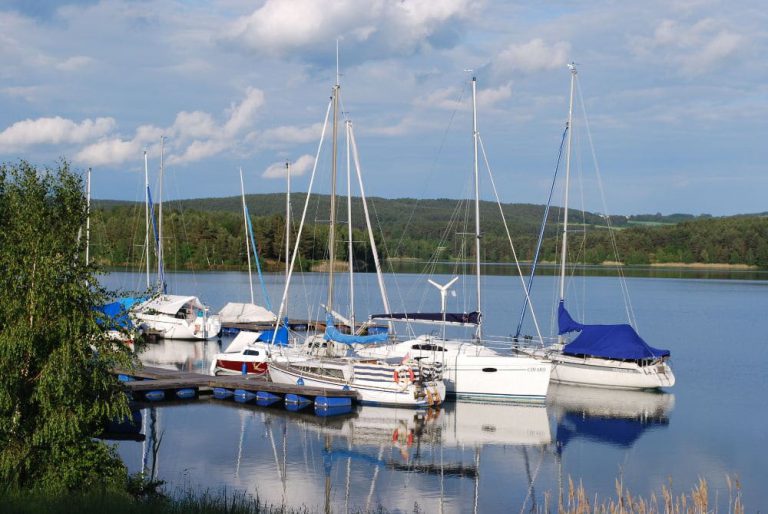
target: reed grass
573 499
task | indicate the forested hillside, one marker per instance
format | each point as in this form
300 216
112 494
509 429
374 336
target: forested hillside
209 233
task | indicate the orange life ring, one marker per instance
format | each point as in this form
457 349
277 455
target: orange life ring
399 369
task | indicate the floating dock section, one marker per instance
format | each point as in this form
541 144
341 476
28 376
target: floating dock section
157 384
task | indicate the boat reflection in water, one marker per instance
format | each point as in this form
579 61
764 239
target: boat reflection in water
609 416
193 356
463 457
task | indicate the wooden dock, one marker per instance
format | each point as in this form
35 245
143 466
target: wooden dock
152 384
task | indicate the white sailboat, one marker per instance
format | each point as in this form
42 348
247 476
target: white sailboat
170 316
472 370
613 356
411 383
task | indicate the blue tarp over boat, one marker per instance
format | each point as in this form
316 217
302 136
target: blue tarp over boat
333 334
281 339
117 311
606 341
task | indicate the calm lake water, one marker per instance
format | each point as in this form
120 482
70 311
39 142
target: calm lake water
483 457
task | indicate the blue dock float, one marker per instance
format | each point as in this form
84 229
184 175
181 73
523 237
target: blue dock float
186 393
326 412
266 396
157 384
330 401
243 396
154 396
296 399
221 393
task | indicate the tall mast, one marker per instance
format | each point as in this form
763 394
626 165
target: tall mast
247 239
334 163
146 212
287 224
350 256
477 200
564 249
88 217
160 278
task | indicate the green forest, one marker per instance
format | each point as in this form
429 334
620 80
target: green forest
210 234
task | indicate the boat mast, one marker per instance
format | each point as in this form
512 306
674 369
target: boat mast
564 249
160 278
478 332
350 257
88 217
146 212
247 242
287 225
332 230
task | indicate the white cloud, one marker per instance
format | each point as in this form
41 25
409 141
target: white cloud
533 56
27 93
55 131
298 168
454 99
199 150
487 97
282 27
193 125
242 115
109 151
292 134
74 63
695 48
194 136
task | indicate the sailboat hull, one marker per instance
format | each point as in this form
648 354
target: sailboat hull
475 372
372 391
596 372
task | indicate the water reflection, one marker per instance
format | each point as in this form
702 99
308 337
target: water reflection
463 457
613 417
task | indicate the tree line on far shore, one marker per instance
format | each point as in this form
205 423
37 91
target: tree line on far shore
210 234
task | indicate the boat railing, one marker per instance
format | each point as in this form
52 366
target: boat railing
497 343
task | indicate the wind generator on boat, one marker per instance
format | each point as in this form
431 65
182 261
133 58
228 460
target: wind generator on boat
473 370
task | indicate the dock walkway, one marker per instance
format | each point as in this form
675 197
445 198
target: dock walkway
148 383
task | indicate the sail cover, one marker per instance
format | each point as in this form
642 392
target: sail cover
605 341
456 318
333 334
245 313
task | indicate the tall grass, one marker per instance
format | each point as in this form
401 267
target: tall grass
571 500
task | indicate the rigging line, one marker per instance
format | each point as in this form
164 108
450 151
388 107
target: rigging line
541 234
509 238
622 278
256 258
432 166
301 225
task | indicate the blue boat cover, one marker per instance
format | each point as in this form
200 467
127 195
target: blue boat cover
117 311
281 339
605 341
333 334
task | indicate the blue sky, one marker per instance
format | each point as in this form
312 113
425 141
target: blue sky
675 94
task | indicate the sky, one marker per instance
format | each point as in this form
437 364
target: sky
670 106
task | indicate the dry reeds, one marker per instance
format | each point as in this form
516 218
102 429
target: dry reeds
575 501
